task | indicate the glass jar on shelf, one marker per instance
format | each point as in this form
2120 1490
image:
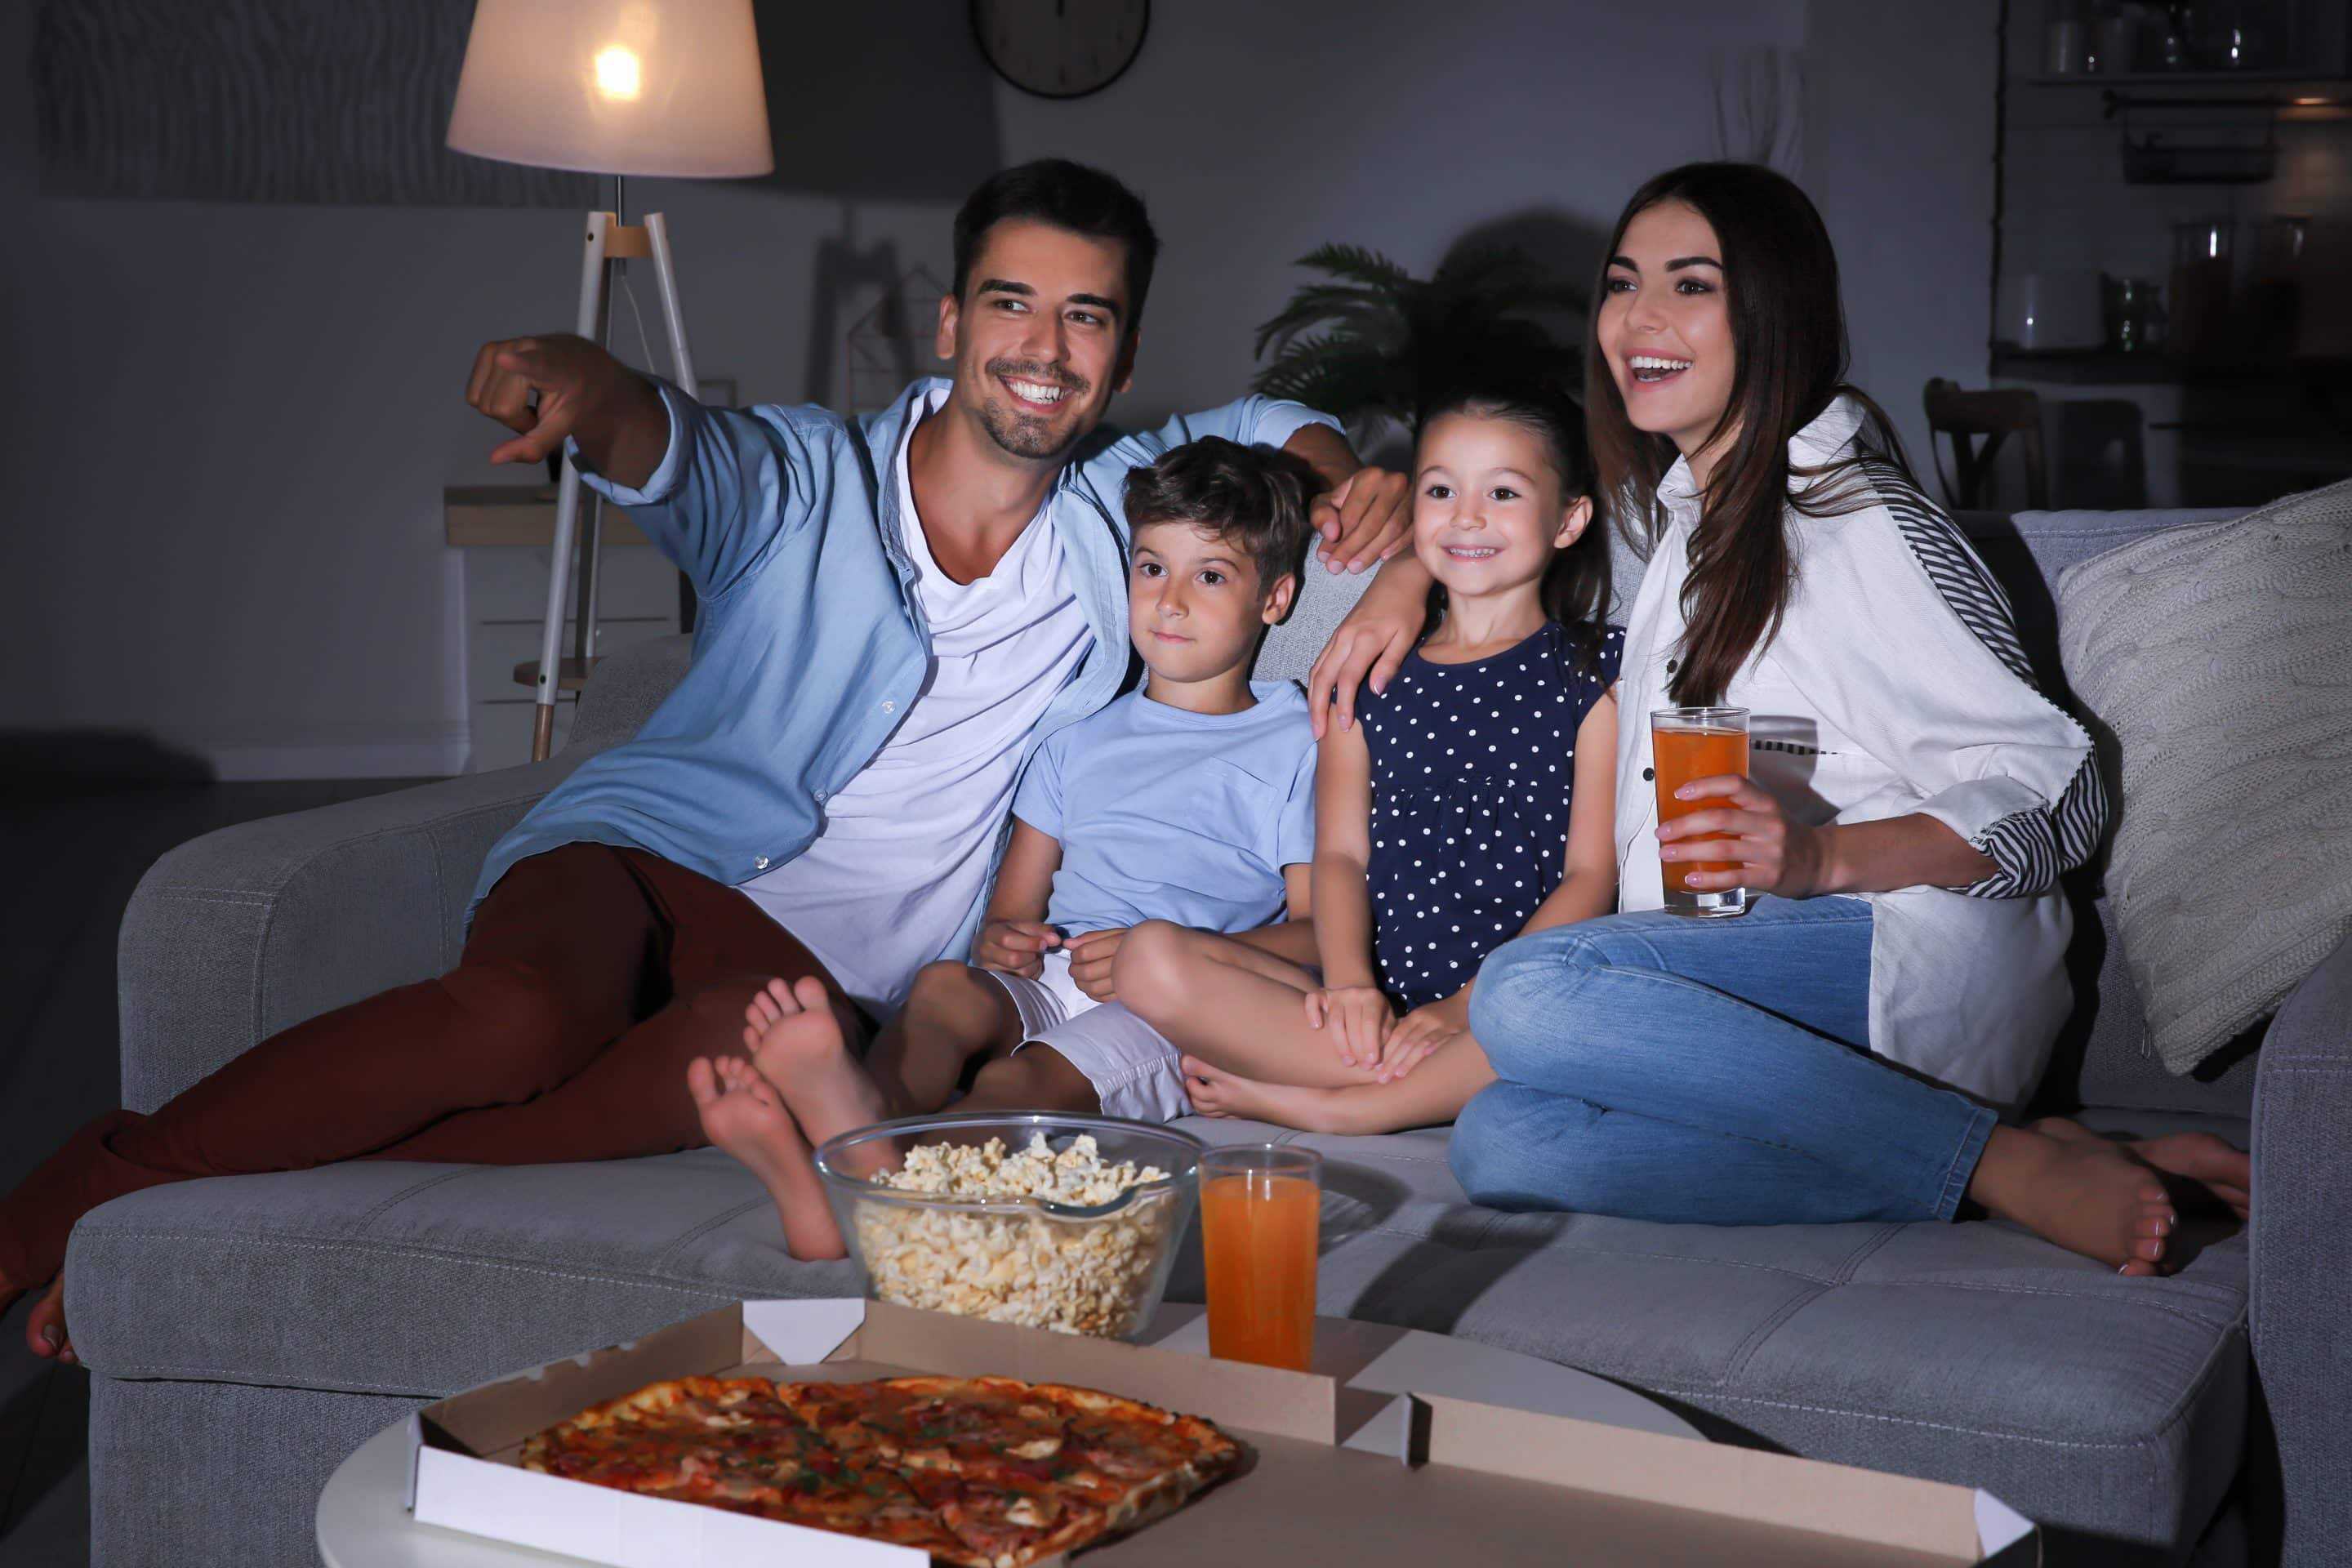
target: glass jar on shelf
2135 315
2203 254
2275 289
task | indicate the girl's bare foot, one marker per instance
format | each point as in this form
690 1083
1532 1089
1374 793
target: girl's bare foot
796 1042
743 1113
2087 1197
2219 1167
1217 1092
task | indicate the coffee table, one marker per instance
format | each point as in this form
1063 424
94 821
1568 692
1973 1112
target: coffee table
362 1522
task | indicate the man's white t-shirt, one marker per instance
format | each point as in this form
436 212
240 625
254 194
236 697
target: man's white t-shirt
907 845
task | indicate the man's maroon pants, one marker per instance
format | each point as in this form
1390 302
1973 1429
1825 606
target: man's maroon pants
592 976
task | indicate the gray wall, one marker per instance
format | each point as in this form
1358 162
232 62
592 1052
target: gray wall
231 425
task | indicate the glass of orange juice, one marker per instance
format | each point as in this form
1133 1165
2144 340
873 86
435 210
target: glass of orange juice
1261 1207
1688 743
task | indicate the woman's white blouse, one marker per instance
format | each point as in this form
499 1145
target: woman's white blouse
1895 684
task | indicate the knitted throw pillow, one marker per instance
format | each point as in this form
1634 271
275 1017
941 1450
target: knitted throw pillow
2219 654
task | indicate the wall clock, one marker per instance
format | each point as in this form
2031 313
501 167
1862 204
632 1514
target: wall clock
1060 49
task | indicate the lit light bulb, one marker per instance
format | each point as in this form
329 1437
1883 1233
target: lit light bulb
617 72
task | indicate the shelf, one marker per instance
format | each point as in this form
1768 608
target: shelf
2105 367
521 514
571 674
2320 84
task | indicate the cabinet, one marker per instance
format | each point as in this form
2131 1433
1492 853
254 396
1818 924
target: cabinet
505 533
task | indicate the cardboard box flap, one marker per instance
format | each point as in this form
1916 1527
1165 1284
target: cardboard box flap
2000 1526
1234 1396
800 1333
1868 1506
496 1415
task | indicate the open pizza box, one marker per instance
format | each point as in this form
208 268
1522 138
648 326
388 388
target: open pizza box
1337 1472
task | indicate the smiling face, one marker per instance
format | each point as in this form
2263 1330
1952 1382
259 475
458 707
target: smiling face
1194 605
1040 340
1487 511
1665 327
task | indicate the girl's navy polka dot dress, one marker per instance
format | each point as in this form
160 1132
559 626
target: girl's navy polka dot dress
1472 769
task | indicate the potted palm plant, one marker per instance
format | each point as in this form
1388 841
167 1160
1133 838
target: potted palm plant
1372 343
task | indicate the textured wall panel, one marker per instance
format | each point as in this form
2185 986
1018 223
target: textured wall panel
266 100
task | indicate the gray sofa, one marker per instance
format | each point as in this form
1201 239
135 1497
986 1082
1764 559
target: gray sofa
246 1334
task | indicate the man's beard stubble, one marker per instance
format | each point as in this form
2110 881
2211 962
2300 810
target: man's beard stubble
1021 433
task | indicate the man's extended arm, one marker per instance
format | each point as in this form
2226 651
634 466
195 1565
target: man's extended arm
583 392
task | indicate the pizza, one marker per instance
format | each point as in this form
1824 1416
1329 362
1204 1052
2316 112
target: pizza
990 1472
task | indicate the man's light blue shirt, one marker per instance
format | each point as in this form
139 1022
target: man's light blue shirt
811 643
1165 814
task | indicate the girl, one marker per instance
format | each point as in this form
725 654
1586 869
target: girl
1473 803
1914 800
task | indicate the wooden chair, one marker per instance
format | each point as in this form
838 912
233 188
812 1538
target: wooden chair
1967 418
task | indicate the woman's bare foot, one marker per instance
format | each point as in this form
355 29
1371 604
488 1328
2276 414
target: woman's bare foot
1217 1092
743 1113
797 1044
2221 1168
2089 1197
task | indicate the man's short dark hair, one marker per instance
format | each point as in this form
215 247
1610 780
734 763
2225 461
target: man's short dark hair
1254 498
1068 196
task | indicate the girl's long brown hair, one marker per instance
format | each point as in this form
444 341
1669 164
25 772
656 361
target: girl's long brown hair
1788 341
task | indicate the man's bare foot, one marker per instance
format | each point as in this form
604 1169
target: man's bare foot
743 1113
2089 1197
2219 1166
1217 1092
796 1043
44 1326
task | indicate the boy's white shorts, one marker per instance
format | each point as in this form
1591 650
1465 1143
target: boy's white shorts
1133 1068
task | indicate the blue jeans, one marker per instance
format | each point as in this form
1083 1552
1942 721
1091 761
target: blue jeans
1715 1071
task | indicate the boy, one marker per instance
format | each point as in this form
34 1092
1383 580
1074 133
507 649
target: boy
1190 801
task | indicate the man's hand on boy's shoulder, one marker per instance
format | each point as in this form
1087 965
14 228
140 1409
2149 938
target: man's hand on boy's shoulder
1015 947
1090 961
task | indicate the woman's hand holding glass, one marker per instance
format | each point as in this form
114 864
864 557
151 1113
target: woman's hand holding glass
1775 853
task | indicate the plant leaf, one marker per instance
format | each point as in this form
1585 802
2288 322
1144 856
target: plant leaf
1359 262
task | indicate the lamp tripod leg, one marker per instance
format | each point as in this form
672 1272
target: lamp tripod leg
567 512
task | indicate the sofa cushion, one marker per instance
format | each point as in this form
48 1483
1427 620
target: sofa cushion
2215 654
1966 1353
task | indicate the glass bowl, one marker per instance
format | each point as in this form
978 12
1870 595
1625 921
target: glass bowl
1096 1269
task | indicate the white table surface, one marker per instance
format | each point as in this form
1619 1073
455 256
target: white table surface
362 1522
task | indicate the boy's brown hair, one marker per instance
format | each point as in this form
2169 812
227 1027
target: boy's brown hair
1254 496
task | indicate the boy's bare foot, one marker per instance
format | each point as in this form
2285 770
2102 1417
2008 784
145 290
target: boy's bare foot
797 1044
2089 1197
2219 1166
1217 1092
743 1113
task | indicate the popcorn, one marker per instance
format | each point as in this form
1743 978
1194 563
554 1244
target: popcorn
1077 1276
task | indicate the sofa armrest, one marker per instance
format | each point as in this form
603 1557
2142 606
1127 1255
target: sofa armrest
238 934
2302 1252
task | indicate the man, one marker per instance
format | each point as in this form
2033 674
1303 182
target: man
894 612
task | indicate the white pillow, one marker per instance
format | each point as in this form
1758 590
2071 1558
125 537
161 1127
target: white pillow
2220 656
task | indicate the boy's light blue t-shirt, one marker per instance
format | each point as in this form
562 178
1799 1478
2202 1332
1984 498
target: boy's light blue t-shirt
1164 814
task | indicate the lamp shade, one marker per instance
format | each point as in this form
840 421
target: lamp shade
615 87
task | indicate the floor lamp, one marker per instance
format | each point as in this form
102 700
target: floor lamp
666 87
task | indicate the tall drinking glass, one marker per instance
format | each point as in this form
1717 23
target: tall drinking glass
1688 743
1261 1205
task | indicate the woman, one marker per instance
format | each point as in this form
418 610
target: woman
1914 800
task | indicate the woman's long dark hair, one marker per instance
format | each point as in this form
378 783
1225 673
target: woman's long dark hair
1788 342
1575 587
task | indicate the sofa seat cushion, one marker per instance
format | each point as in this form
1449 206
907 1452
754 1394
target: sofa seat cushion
1969 1353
